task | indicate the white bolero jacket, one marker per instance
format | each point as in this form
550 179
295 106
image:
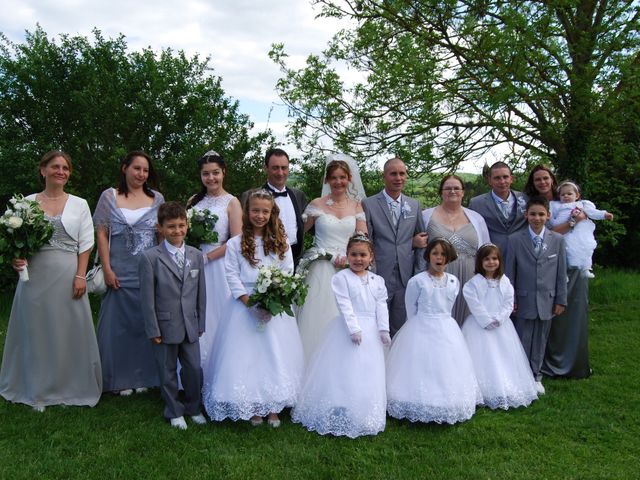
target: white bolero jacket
475 290
354 299
76 220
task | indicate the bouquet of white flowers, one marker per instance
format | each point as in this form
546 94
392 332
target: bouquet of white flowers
23 231
277 290
201 227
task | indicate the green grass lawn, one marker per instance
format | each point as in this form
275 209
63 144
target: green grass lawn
579 429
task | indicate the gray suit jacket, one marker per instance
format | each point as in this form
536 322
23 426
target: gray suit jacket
393 247
499 227
539 281
172 304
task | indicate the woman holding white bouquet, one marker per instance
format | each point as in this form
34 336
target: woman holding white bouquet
216 203
336 215
51 354
255 366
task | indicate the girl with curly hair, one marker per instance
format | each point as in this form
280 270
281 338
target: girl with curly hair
256 362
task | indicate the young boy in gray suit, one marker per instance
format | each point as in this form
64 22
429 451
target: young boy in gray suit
537 268
173 308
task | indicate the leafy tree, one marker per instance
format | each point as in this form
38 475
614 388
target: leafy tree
95 100
444 81
440 82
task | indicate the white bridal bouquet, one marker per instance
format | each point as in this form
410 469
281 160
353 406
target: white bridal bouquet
23 231
310 256
277 290
201 227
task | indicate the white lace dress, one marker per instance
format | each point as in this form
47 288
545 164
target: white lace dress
344 388
331 234
430 377
252 371
218 293
500 363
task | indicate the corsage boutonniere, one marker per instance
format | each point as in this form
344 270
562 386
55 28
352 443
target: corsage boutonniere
405 210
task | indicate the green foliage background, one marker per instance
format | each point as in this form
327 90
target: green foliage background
96 100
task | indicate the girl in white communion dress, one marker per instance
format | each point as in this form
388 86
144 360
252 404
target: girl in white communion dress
430 377
344 388
256 363
500 363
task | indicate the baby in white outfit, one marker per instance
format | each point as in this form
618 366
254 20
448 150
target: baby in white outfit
580 241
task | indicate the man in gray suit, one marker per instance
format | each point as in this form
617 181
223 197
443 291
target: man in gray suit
536 265
290 201
173 299
502 208
396 229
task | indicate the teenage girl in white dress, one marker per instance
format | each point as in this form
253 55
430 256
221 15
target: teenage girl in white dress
217 200
256 362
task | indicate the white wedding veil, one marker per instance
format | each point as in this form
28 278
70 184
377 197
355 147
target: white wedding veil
356 189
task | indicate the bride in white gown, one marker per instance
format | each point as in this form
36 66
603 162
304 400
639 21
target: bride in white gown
336 216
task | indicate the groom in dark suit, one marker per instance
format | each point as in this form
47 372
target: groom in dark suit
290 201
396 228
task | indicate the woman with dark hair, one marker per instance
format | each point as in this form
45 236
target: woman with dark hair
464 228
542 181
567 353
125 221
51 355
217 200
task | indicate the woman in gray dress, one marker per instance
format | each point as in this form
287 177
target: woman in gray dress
567 352
464 228
51 354
125 221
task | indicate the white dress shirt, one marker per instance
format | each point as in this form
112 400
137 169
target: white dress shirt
287 215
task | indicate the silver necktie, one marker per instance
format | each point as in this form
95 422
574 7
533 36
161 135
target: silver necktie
180 260
504 206
395 212
537 244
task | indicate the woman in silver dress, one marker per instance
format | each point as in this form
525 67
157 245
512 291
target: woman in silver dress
51 354
125 221
464 228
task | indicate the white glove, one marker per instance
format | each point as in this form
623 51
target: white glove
260 314
385 338
356 338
